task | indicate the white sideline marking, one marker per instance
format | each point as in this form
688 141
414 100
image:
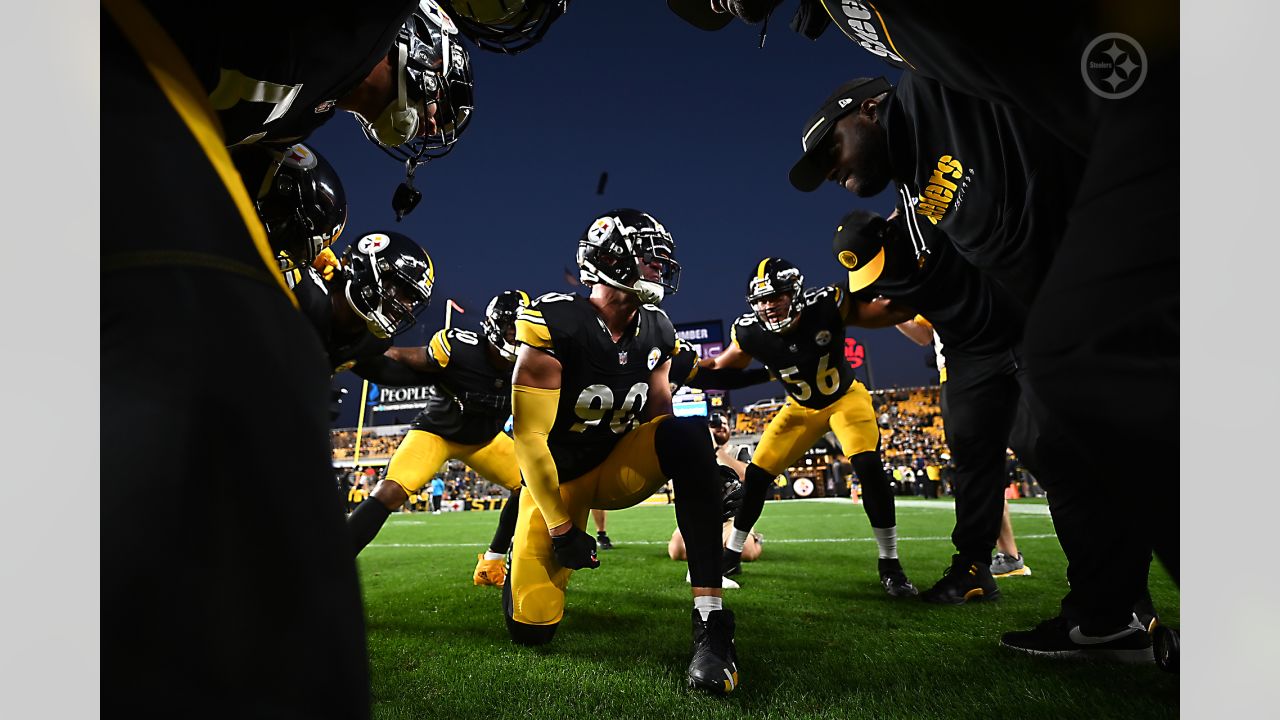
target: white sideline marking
767 541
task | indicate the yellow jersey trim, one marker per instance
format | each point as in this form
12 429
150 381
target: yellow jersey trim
177 81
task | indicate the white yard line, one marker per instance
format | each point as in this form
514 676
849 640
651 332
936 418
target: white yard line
767 541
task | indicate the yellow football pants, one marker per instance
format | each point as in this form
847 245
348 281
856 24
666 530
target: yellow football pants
421 454
796 428
630 474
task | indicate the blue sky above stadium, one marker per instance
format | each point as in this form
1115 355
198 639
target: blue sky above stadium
697 128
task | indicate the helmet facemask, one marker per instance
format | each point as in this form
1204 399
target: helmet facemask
637 258
430 67
388 288
506 26
305 208
499 324
770 285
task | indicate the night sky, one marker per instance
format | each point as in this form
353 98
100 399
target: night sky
698 129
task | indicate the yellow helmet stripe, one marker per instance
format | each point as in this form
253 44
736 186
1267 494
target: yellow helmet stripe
760 268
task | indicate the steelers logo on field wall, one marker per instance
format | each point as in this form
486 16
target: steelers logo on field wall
373 243
823 338
803 487
654 356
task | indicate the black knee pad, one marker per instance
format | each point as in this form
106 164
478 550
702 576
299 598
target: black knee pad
524 633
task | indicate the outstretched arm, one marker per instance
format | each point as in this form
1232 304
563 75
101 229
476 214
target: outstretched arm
731 357
383 370
535 395
878 313
917 330
728 378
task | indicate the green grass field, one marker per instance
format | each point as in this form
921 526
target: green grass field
817 637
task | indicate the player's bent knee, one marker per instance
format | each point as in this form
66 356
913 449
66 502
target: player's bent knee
531 633
681 439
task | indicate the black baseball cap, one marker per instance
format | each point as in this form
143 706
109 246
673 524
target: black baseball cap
699 14
808 172
859 247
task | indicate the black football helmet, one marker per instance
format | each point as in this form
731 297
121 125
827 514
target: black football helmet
305 207
429 66
617 247
774 277
388 281
500 320
505 26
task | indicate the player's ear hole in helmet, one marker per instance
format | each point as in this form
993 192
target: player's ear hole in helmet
505 26
630 250
388 281
304 209
773 292
499 322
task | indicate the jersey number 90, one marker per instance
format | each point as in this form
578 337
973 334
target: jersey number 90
595 403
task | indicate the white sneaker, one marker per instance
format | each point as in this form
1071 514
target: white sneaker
727 584
1003 565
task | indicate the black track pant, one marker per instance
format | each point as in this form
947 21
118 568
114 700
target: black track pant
980 401
1102 350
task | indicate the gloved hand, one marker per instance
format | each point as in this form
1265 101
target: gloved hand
326 263
735 493
575 550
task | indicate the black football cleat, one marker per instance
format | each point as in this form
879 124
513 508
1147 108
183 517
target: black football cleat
894 579
962 582
732 563
1060 638
603 541
714 667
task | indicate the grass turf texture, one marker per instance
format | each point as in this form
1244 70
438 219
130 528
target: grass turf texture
817 637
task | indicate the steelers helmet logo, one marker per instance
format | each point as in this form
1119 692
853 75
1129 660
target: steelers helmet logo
848 259
300 156
433 11
601 229
761 285
654 356
373 243
823 338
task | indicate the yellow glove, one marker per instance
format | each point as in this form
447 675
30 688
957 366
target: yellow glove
327 264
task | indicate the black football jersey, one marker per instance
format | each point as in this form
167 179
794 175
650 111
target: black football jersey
274 71
314 302
604 384
970 312
471 400
809 357
684 364
996 183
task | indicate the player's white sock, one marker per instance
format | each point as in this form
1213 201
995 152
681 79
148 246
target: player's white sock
705 604
737 539
887 539
491 555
